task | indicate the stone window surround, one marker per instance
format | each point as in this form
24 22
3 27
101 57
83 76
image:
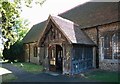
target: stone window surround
102 52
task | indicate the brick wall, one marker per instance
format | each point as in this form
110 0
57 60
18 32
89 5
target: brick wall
29 50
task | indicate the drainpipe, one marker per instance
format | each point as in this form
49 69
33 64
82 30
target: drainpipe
29 52
97 48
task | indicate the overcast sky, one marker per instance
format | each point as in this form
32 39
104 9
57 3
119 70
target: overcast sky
38 13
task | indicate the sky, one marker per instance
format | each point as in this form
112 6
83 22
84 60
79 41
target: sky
39 13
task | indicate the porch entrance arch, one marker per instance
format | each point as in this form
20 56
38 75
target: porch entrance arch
55 53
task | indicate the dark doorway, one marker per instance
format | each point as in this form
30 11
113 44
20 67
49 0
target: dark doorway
59 56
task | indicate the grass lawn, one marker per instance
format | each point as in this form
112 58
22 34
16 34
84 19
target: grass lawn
29 67
8 77
103 76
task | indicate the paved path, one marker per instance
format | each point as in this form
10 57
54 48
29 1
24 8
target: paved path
46 77
24 76
16 71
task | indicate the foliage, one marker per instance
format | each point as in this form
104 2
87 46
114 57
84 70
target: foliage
0 54
10 12
21 28
30 67
29 3
9 15
15 52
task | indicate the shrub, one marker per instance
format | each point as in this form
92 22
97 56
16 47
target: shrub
14 53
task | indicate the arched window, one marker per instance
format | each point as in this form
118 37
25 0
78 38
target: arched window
107 46
110 45
116 45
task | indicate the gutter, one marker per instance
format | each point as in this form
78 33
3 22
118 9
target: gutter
88 27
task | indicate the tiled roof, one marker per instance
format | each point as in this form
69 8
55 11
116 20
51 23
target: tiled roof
86 15
72 31
93 13
34 33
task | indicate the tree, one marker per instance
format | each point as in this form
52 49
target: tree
9 15
21 28
13 27
10 12
15 50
